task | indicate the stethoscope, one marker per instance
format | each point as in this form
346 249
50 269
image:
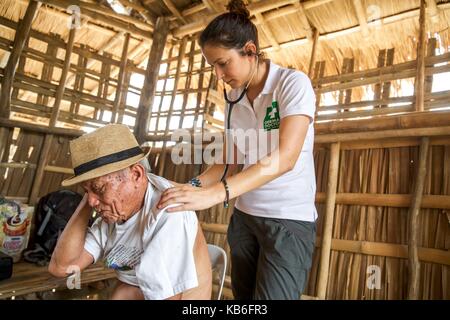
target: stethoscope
231 104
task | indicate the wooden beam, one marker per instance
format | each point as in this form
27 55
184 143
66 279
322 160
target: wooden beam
415 132
312 59
257 7
172 8
20 39
433 12
419 84
304 22
8 123
144 12
105 17
382 249
327 232
194 9
212 7
408 121
120 80
151 79
267 31
361 15
413 230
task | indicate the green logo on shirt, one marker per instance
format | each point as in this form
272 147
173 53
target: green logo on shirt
272 118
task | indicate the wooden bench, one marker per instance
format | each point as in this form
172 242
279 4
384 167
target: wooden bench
28 278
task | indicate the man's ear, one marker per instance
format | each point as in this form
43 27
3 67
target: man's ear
137 172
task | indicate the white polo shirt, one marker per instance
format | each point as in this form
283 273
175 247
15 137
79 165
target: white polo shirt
255 132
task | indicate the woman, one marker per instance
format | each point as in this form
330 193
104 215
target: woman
272 230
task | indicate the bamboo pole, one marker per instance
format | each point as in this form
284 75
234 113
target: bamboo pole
151 79
413 258
20 39
327 233
420 72
120 81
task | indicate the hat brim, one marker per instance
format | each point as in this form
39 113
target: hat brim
104 170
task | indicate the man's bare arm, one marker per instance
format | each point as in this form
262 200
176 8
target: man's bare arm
69 250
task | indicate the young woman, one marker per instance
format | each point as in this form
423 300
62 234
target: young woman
272 230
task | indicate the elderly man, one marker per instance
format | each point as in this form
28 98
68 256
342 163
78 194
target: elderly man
156 255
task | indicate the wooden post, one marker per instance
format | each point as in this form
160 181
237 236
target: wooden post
319 71
387 85
19 42
327 232
120 80
43 159
151 78
420 72
163 91
62 81
431 51
413 257
312 59
47 72
123 96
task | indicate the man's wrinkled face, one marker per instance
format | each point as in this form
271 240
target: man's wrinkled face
109 195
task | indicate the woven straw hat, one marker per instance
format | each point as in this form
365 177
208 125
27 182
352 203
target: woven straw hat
103 151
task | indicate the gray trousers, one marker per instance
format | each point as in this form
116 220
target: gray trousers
270 258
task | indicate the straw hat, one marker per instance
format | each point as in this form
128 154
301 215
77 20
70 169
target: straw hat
105 150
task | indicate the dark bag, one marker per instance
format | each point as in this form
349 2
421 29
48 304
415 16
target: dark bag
52 213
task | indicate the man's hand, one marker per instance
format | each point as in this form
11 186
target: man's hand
192 198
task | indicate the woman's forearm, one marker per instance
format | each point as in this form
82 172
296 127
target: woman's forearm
213 174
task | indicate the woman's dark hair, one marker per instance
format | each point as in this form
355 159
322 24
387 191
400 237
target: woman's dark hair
231 30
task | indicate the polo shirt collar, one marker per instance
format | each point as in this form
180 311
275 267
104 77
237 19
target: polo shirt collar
272 79
269 86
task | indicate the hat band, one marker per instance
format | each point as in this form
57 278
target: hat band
110 158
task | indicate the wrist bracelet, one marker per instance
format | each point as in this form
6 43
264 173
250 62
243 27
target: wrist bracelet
227 194
195 182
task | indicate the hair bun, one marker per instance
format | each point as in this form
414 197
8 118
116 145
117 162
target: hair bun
238 7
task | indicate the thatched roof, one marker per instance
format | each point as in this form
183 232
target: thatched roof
347 29
329 18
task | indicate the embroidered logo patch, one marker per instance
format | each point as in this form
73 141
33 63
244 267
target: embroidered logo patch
272 118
